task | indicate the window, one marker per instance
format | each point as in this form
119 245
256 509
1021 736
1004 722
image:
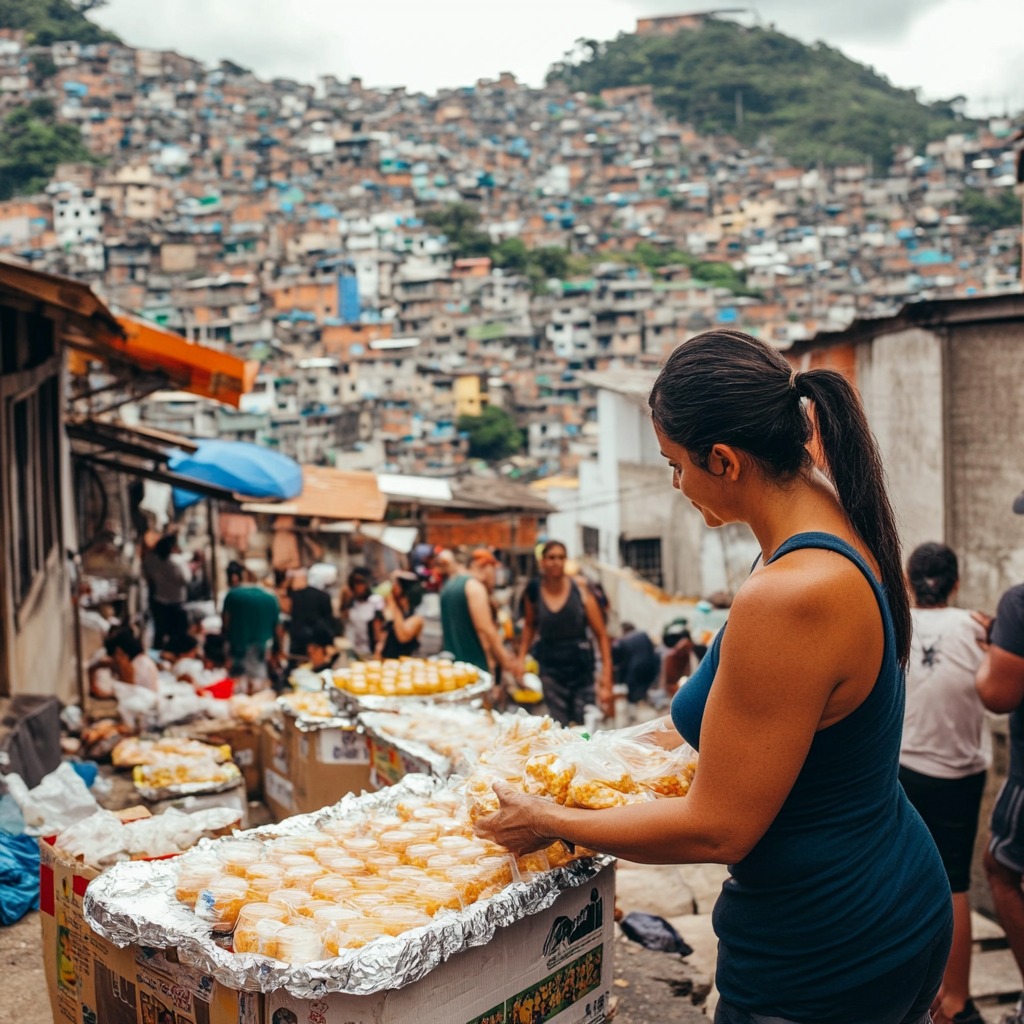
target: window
644 558
591 541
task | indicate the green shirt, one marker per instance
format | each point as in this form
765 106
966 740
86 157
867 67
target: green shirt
253 615
460 636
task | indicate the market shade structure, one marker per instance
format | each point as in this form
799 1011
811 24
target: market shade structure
237 466
142 347
331 494
127 344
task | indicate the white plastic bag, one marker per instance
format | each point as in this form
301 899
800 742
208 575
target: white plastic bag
58 802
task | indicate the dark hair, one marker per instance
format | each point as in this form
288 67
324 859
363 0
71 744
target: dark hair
235 572
933 573
123 640
725 387
359 575
551 545
320 634
411 587
181 643
165 545
215 649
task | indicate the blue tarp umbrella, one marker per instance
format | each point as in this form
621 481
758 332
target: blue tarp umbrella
246 469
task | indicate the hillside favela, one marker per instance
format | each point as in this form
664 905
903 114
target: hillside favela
380 469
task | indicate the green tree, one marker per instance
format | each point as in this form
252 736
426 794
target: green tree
512 254
991 212
817 103
32 143
493 435
54 21
460 224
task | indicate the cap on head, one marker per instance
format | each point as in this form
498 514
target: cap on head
483 557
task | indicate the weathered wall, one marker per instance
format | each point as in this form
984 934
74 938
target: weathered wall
986 454
900 377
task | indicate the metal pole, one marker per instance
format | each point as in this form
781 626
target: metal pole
211 521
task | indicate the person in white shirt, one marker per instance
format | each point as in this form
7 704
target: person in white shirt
362 612
131 663
943 756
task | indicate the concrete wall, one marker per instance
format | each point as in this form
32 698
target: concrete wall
901 381
985 420
42 649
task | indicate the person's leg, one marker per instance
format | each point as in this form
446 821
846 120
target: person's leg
1005 884
950 809
1004 865
557 697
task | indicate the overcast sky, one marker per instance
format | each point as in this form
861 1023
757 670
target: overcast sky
945 47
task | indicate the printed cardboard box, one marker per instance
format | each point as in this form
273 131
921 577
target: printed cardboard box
246 750
304 771
389 764
91 981
554 967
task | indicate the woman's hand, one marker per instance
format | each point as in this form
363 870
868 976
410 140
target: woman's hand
515 825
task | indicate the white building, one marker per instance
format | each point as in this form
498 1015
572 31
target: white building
626 513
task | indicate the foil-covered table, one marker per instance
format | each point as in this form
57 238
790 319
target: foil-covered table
134 904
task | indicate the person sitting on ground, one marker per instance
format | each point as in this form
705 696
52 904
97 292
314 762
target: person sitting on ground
130 662
400 635
181 657
636 663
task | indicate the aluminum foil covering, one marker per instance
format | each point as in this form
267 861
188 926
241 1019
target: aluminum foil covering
352 703
134 904
313 723
376 722
183 789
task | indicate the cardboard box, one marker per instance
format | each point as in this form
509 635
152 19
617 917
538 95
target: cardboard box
555 966
246 750
390 764
91 981
233 798
304 771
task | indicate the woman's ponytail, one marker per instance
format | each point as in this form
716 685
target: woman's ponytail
855 466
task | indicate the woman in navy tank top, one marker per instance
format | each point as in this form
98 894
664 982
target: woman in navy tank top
837 908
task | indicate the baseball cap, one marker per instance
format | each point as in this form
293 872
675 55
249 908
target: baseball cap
483 557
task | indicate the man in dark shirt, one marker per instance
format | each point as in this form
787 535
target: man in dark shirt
310 611
1000 684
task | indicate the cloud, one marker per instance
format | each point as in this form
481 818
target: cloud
944 46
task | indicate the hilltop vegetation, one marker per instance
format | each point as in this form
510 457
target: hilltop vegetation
54 21
816 103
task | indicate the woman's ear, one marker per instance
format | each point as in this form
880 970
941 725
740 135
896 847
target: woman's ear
726 462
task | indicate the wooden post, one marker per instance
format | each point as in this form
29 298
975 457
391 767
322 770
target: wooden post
211 522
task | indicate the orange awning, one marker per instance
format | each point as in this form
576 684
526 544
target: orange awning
188 367
331 494
125 342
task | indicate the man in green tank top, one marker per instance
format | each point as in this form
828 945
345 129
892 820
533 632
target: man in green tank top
470 633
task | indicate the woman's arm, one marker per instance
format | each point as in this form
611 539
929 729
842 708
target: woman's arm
529 629
790 641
